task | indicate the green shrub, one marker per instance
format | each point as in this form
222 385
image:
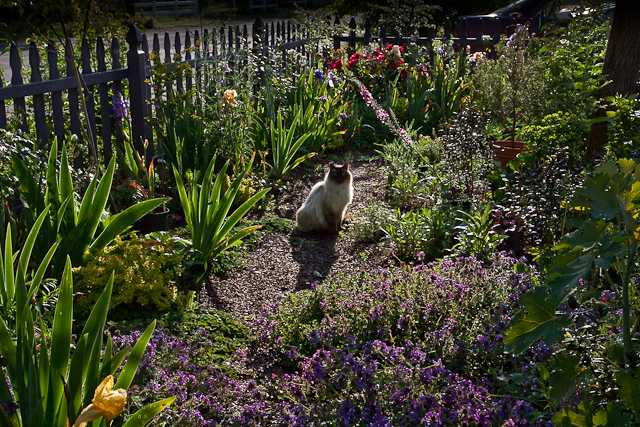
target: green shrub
370 222
245 191
553 130
427 230
35 161
144 275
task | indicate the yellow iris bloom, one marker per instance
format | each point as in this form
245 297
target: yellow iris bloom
107 403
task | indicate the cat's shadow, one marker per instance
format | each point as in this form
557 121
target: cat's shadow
315 254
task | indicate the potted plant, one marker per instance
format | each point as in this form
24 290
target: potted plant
157 220
511 88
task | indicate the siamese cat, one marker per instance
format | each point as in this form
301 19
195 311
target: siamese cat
327 202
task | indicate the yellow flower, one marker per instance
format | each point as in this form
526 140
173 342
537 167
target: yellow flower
107 403
229 97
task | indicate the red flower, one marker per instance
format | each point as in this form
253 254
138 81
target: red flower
353 60
403 73
334 65
389 47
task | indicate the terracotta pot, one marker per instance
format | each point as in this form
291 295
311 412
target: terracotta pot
153 221
504 151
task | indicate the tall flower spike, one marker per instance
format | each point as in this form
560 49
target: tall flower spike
107 403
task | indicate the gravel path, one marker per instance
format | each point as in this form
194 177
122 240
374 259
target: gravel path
286 263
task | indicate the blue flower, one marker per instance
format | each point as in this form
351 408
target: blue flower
318 75
322 98
343 115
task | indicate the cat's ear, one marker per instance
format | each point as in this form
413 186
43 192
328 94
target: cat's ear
346 166
332 165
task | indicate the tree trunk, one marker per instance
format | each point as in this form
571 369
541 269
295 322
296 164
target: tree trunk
621 66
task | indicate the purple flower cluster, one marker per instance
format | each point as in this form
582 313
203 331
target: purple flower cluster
432 303
380 349
395 347
9 406
385 385
181 366
120 109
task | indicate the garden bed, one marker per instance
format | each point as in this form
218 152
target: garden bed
289 262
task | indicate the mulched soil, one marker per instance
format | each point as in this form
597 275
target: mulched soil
289 262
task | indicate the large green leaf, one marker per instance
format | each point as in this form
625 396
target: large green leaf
69 215
77 375
145 414
29 187
8 276
25 255
40 272
96 207
537 320
612 416
120 222
570 417
567 375
94 328
130 368
8 350
598 196
61 334
588 237
564 279
233 220
629 391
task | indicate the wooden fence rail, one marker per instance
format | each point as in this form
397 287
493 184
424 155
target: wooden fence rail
54 104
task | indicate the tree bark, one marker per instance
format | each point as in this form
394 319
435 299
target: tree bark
621 66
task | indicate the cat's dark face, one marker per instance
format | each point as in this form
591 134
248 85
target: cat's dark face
339 174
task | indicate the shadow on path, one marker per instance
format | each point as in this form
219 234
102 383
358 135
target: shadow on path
315 253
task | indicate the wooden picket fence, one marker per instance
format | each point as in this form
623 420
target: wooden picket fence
55 108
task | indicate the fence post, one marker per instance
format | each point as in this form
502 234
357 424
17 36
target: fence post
15 61
336 38
367 31
137 88
352 33
175 6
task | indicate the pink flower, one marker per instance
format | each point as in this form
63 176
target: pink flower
366 95
382 115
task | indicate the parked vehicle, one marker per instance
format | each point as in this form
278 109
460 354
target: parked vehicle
522 12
